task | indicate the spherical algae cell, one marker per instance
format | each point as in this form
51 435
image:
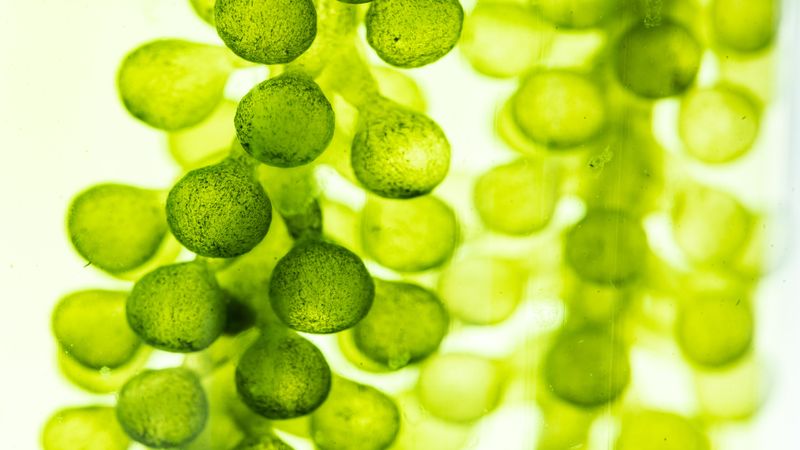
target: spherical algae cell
577 13
105 380
84 428
355 417
266 32
115 227
171 83
285 121
206 143
262 443
405 324
558 108
204 9
715 330
319 287
587 368
413 33
744 25
92 327
660 430
399 87
163 408
718 124
607 247
399 153
282 375
219 211
409 235
657 61
177 308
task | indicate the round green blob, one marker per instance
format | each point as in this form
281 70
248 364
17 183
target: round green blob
558 108
715 330
518 198
84 428
172 84
115 227
409 235
607 247
267 31
399 153
576 13
282 375
413 33
718 124
219 211
206 143
355 417
657 61
285 121
91 326
204 9
405 324
105 380
263 443
163 408
587 368
399 87
319 287
744 25
177 308
659 430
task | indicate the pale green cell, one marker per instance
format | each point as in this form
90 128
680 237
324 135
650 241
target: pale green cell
355 417
92 327
172 84
587 368
559 108
319 287
660 430
397 152
565 426
419 429
405 324
266 32
413 33
221 432
204 9
163 408
482 290
84 428
518 198
399 88
744 25
219 211
206 143
409 235
460 387
718 124
715 330
116 227
177 308
282 375
263 443
285 121
577 13
657 61
105 380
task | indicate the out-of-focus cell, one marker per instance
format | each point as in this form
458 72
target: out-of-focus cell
716 329
206 143
744 25
104 380
84 428
661 430
399 87
577 13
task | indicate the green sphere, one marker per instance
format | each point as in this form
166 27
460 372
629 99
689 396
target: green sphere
285 121
84 428
267 31
177 308
115 227
657 61
413 33
219 211
577 13
282 376
715 330
745 26
262 443
659 430
319 287
163 408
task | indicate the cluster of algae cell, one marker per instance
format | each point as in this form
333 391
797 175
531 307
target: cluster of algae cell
394 285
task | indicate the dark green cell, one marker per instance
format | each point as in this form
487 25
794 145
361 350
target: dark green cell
657 61
84 428
405 324
577 14
319 287
177 308
587 368
715 330
163 408
399 153
413 33
607 247
116 227
660 430
355 417
262 443
91 326
745 25
268 31
171 83
285 121
219 211
282 375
